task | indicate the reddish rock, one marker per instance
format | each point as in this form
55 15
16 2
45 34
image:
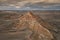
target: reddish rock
39 28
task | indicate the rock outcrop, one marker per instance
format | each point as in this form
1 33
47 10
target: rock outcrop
40 30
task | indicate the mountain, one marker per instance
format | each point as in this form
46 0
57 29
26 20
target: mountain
26 26
40 29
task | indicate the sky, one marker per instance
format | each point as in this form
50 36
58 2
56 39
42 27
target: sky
29 4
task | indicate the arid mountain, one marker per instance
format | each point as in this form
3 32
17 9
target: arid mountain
40 30
27 26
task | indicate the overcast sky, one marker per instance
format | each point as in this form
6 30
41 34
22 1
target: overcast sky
48 1
29 4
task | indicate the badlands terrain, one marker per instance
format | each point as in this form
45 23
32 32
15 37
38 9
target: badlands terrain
30 25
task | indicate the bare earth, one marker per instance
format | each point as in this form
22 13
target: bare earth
8 18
